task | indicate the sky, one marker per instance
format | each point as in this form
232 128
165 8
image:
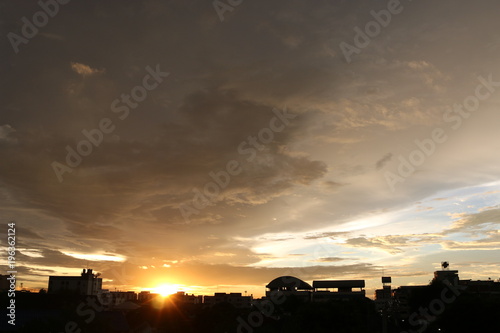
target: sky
216 145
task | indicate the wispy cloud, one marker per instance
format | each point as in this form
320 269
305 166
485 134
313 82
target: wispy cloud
394 244
85 70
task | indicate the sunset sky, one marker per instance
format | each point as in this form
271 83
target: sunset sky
265 138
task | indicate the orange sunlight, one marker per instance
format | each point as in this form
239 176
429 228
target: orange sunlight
166 290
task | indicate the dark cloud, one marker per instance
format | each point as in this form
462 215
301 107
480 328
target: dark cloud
394 244
383 161
226 80
26 233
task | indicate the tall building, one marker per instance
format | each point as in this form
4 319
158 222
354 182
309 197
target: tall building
86 284
383 296
445 274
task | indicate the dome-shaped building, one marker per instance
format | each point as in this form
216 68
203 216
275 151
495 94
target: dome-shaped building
288 286
288 283
323 290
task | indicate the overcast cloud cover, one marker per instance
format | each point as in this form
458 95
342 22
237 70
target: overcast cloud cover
315 202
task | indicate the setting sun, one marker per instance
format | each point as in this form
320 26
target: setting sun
166 289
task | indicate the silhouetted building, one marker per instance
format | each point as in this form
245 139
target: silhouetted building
118 297
446 275
484 287
320 291
146 296
402 296
327 290
288 286
383 296
4 283
86 284
182 297
235 299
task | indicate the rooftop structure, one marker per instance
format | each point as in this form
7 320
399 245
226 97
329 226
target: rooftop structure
288 286
322 290
327 290
86 284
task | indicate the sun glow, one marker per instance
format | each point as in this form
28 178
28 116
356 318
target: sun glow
166 289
